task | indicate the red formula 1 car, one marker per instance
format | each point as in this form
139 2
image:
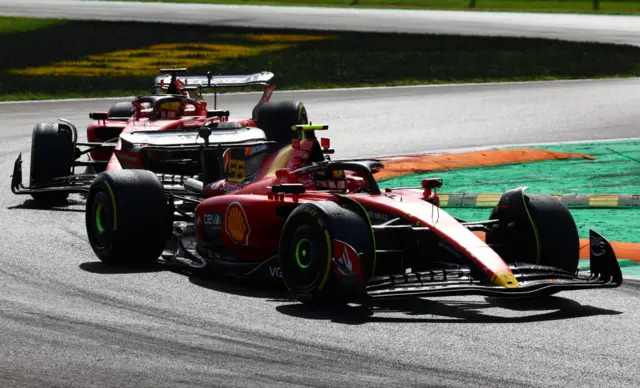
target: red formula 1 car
162 120
332 235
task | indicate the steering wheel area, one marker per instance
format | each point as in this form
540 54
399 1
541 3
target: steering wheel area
347 176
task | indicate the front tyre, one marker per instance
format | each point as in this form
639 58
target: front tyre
52 156
127 217
535 228
326 254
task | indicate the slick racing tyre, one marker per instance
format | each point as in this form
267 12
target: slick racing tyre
276 119
121 111
535 228
52 156
326 254
127 217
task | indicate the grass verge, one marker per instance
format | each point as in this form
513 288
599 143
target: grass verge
57 59
559 6
614 168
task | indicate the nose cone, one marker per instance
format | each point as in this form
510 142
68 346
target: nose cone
505 279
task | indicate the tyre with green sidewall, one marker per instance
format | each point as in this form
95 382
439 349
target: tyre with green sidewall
127 217
306 253
52 156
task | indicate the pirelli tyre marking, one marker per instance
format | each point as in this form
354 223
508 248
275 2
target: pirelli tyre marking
454 200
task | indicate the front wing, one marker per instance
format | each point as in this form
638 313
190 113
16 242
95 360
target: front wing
74 183
532 279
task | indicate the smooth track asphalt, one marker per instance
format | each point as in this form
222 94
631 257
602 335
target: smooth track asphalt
68 321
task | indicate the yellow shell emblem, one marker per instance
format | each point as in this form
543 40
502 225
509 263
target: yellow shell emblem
236 224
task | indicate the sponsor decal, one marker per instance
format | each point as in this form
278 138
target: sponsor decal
213 219
236 224
275 272
311 211
596 246
346 259
378 216
224 186
254 150
212 223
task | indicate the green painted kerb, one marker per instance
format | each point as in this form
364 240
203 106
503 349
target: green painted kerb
99 218
628 267
615 169
302 251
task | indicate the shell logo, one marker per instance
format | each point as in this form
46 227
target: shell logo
236 224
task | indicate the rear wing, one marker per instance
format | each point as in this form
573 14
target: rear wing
217 81
172 82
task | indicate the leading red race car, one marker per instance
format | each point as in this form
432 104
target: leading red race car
332 235
115 137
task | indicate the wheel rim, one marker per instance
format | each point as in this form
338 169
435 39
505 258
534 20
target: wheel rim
307 255
101 220
98 218
304 253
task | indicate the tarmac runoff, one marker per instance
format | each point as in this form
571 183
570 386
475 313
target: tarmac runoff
599 182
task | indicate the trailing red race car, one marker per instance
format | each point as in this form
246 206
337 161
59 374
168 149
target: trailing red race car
171 119
331 234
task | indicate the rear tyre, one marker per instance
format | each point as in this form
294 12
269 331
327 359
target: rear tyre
308 258
121 110
535 228
127 217
276 119
52 156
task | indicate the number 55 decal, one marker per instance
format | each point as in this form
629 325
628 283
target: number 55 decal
236 171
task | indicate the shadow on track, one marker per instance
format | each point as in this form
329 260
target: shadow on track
273 292
61 206
424 311
104 269
414 310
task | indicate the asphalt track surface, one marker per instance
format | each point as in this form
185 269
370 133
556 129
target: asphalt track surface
615 29
68 321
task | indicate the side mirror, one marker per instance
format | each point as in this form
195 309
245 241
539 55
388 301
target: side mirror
204 132
218 113
432 183
98 115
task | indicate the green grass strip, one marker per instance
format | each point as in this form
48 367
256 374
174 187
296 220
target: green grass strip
615 170
614 224
605 7
54 59
9 25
